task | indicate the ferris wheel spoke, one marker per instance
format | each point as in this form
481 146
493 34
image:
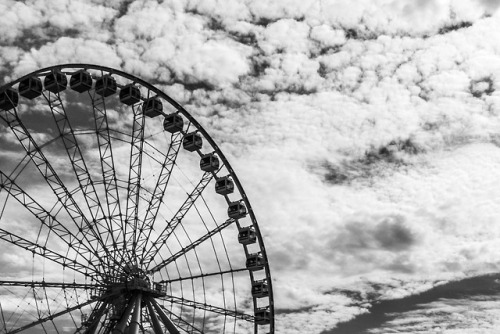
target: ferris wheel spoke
107 166
222 272
156 246
90 326
45 305
67 300
3 319
54 316
25 161
155 151
76 158
191 246
52 179
38 311
47 219
60 285
134 178
48 254
125 138
160 187
209 308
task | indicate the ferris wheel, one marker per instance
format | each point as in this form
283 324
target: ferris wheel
120 214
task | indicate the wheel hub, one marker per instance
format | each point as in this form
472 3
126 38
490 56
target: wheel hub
133 279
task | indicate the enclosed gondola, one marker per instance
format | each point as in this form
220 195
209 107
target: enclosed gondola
30 87
247 235
160 287
236 210
262 316
192 141
80 81
209 162
152 107
106 85
260 289
55 81
130 94
8 99
255 261
224 186
173 123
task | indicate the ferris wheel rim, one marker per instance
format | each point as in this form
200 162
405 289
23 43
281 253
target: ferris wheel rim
192 120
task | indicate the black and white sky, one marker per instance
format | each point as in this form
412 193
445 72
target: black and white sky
366 134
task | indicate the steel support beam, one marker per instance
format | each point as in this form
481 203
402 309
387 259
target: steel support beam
107 164
193 245
172 329
46 253
136 317
134 180
210 308
150 254
58 314
94 319
154 319
157 196
120 327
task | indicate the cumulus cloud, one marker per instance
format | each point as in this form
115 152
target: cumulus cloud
365 134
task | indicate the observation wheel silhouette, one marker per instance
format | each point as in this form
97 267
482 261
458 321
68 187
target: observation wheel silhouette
120 214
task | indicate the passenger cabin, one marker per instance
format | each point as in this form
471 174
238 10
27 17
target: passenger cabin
55 82
247 235
106 85
30 87
80 81
160 288
236 210
8 99
209 163
130 94
173 123
152 107
115 312
224 186
255 262
84 318
94 294
192 141
262 316
260 289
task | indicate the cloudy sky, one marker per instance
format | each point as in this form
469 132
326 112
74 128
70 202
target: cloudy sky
365 133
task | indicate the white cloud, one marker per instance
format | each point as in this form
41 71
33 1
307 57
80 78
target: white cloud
17 16
364 133
217 62
447 316
285 35
328 36
67 50
179 42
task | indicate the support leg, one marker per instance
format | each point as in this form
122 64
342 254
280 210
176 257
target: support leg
166 320
136 317
154 319
120 327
